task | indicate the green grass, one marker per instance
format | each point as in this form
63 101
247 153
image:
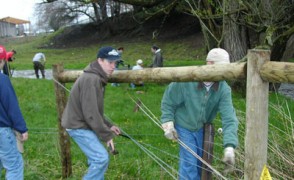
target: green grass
38 104
175 53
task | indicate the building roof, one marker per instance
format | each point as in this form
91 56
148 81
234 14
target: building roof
14 20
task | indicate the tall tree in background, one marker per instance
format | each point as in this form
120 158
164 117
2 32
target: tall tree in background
55 15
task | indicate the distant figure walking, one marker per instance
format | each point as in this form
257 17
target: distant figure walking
39 64
157 57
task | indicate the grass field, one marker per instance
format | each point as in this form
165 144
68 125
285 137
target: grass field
147 155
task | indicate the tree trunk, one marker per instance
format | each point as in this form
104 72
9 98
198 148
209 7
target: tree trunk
96 12
116 8
234 41
289 51
234 34
211 32
103 9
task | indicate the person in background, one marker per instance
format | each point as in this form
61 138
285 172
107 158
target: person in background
118 62
10 55
84 118
120 50
139 66
13 129
39 61
157 57
9 58
187 106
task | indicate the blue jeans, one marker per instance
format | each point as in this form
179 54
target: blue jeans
96 153
10 157
189 165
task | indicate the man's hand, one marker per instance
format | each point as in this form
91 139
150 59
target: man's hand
24 136
170 131
116 130
229 159
20 138
110 146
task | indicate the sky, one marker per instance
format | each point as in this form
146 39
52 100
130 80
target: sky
20 9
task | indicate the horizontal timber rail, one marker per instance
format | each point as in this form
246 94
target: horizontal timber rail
277 72
270 71
231 71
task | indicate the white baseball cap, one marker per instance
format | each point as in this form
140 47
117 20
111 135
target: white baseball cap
218 56
139 61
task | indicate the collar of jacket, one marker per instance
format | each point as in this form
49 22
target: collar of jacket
215 86
95 68
157 51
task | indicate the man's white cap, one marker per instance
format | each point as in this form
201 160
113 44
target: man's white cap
139 61
218 56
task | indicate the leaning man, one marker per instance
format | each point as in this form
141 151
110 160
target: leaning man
187 106
84 118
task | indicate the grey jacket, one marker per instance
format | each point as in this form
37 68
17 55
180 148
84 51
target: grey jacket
157 59
85 107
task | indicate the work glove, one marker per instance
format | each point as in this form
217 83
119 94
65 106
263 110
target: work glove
169 130
229 159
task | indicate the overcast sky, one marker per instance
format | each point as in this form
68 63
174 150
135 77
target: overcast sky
21 9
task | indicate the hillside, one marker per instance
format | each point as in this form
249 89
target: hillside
127 28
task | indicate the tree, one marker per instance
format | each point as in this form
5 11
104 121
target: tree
54 15
234 25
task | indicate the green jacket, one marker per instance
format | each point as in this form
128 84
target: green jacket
189 105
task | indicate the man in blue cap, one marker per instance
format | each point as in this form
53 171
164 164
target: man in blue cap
84 117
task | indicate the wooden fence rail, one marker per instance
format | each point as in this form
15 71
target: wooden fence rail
258 71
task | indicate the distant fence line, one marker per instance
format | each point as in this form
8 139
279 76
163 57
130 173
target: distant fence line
258 71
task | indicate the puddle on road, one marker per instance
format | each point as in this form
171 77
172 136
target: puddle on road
31 74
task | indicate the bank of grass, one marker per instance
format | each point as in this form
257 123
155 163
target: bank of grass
42 151
175 52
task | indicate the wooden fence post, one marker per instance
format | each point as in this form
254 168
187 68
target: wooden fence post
256 115
64 140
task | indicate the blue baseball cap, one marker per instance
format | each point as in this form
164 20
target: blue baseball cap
108 53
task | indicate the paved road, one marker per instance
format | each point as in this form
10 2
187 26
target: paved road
285 89
31 74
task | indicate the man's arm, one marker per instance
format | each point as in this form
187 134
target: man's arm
11 106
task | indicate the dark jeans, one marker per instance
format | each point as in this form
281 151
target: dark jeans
6 69
39 66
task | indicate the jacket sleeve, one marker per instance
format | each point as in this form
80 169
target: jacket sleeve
93 111
229 118
10 104
107 122
172 98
